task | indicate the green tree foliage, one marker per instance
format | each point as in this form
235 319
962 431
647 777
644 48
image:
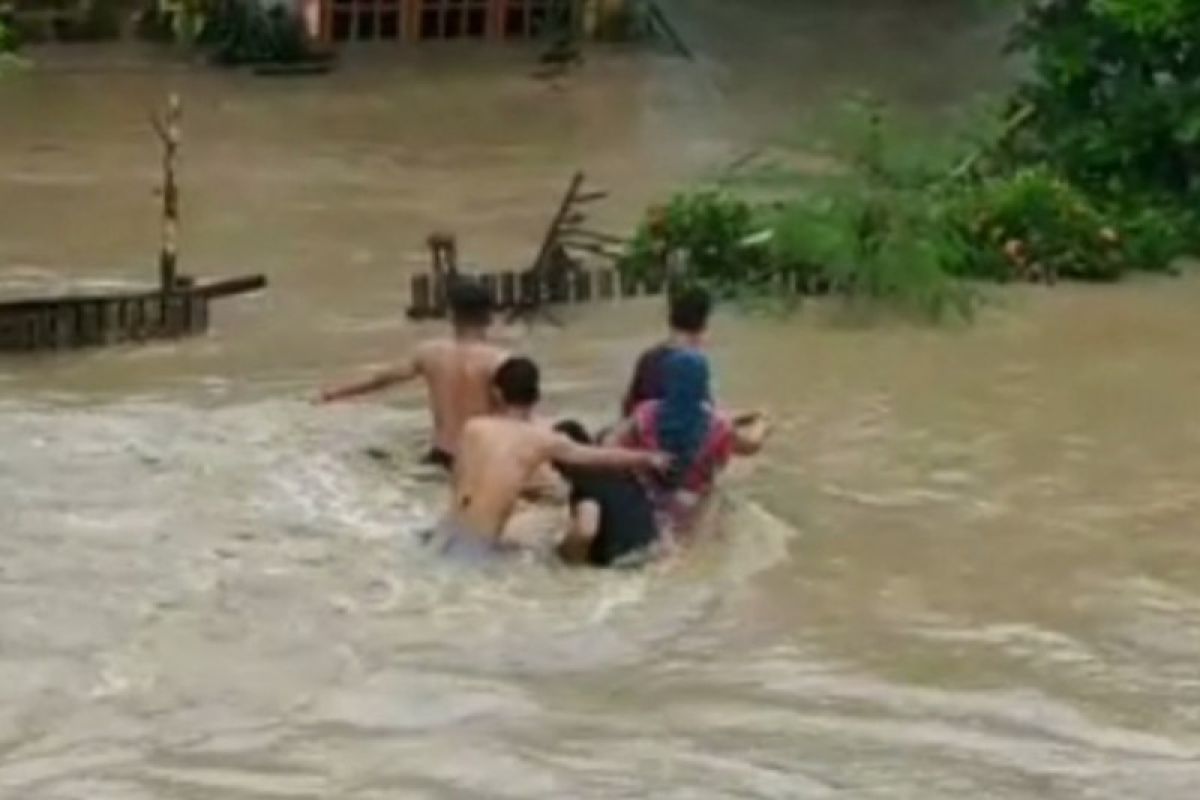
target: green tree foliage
1115 90
8 38
712 227
1031 225
244 32
10 43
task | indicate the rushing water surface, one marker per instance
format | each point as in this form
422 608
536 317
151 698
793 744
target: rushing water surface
967 567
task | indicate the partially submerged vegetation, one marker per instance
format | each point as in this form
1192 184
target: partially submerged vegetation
8 37
1089 173
10 43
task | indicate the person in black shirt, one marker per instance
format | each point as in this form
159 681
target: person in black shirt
689 311
612 517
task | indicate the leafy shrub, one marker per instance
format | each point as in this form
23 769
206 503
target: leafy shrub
10 42
863 245
711 227
8 38
1154 235
1034 225
1031 225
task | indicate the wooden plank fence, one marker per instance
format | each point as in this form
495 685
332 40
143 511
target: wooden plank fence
521 290
554 277
90 320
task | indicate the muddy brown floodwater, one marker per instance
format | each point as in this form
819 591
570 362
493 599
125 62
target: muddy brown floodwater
966 569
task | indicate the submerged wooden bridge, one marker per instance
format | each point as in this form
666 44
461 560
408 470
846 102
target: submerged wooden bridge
178 306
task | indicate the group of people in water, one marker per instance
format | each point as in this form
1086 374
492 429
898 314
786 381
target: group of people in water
637 489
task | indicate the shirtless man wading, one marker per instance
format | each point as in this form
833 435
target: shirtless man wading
457 371
499 453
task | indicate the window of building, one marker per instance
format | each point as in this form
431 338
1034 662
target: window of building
454 19
365 20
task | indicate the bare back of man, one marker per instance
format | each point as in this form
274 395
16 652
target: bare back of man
458 376
497 458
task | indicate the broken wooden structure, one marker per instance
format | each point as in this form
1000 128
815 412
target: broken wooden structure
178 306
556 276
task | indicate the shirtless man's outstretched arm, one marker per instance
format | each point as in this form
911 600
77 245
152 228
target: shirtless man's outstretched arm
391 376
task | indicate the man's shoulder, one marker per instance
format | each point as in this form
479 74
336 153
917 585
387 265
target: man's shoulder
433 346
495 354
448 349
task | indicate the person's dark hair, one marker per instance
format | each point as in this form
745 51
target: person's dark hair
573 430
518 382
470 304
689 309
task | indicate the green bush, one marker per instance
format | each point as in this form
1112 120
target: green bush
1034 225
712 228
1154 235
868 245
1031 225
9 41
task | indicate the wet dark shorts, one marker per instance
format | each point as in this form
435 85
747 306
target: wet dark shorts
440 458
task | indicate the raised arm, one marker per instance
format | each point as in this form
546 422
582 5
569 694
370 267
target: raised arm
398 373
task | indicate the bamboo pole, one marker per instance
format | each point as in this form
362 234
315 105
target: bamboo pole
168 129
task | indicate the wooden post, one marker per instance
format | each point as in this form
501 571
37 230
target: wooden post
606 285
489 284
443 253
441 292
508 289
168 129
33 327
199 313
583 286
530 290
112 321
422 291
558 286
629 286
91 322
